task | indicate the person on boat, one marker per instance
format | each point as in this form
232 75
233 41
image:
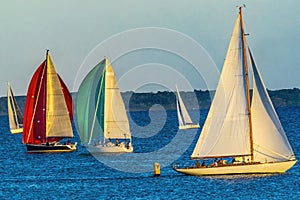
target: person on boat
117 142
127 144
233 160
197 165
203 164
215 162
220 162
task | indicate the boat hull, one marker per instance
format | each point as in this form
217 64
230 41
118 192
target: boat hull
189 126
15 131
52 148
109 149
256 168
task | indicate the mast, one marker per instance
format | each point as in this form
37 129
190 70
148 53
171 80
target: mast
105 128
247 83
45 127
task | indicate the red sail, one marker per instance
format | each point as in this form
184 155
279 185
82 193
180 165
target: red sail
68 97
35 108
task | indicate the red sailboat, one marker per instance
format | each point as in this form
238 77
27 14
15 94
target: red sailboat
48 112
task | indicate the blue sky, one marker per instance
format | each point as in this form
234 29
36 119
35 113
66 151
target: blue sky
72 29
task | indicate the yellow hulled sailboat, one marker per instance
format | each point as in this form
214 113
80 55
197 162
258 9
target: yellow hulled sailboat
15 116
248 133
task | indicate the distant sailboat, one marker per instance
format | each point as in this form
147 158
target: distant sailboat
14 113
48 112
101 115
184 119
252 136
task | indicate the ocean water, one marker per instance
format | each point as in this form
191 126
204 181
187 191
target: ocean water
80 175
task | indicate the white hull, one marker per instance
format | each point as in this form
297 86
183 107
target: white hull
112 148
18 130
258 168
189 126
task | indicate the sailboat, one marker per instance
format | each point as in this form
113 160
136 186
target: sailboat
242 137
184 119
48 112
14 113
101 116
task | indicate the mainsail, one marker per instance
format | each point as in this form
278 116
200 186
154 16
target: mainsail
48 107
100 108
180 121
226 129
266 125
183 116
14 113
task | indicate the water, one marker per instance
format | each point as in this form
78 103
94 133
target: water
80 175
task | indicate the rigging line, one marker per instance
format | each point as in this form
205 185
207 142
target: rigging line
97 105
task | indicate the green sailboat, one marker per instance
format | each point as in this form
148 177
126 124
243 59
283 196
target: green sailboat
101 116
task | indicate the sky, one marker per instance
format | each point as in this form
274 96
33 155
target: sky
152 44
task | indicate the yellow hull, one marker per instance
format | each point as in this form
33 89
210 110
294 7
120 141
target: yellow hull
189 126
256 168
15 131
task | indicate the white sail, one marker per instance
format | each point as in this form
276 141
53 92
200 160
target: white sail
116 123
182 110
226 129
57 116
270 141
14 113
11 115
180 122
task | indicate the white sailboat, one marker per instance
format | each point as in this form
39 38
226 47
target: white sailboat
101 116
251 135
14 113
184 119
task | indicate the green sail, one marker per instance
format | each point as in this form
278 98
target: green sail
90 106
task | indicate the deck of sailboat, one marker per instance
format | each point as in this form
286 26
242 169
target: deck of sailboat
240 168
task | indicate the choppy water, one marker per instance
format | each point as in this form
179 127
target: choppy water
80 175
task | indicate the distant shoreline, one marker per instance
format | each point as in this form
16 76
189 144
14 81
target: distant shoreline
198 99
